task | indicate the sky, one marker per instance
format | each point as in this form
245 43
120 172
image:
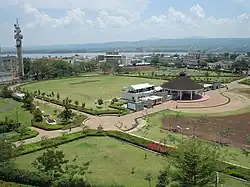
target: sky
49 22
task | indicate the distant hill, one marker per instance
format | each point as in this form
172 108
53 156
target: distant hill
151 45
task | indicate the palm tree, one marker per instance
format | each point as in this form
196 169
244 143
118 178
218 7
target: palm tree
76 103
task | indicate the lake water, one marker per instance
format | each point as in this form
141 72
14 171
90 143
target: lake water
128 54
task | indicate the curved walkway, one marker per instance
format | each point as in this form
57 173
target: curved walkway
134 121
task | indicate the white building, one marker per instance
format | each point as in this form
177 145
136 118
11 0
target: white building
138 91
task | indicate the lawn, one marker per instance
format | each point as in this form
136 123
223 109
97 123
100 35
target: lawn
13 110
88 89
112 162
153 131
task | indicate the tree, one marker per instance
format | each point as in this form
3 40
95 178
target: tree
100 101
76 103
83 105
50 162
6 152
6 93
196 162
74 175
26 66
28 102
155 61
162 178
148 178
52 94
58 96
66 114
37 115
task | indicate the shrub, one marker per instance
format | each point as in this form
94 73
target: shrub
37 114
25 177
114 100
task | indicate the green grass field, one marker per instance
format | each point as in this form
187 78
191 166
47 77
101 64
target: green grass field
152 131
13 110
88 89
112 162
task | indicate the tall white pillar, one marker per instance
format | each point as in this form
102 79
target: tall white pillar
180 95
191 96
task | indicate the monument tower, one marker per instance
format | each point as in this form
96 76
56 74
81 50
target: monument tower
18 37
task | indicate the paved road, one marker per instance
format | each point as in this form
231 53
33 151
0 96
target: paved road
129 121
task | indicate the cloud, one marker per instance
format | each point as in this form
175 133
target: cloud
133 5
87 23
197 10
40 18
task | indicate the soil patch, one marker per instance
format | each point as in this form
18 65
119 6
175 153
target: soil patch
233 130
85 82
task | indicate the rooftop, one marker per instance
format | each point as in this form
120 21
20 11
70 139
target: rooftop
140 86
182 82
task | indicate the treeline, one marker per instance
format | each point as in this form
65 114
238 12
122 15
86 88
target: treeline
48 69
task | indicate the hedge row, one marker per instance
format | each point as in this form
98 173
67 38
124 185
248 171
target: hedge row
141 142
29 134
168 78
33 147
85 110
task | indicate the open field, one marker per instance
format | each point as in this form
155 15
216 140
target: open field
112 162
88 89
155 131
13 110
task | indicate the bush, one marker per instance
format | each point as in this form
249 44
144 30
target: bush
25 177
27 135
8 126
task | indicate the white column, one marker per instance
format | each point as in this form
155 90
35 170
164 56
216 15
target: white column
180 95
191 96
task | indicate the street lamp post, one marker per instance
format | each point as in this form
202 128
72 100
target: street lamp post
182 129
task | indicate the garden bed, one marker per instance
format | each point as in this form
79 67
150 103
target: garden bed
77 122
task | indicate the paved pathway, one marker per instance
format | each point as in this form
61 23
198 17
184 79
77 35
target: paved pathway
129 121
